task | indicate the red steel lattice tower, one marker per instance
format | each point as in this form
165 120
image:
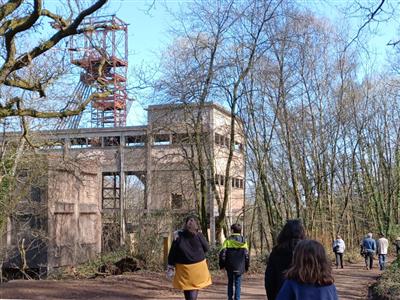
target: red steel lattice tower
102 54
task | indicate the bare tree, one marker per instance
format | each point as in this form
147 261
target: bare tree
27 70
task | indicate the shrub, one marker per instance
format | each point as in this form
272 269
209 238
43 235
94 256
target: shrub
388 285
213 257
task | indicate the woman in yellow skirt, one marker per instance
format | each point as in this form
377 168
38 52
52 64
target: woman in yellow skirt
187 256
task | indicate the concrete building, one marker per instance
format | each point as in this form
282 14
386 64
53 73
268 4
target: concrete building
98 182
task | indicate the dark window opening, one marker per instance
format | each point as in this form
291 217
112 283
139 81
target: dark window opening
94 142
78 143
161 139
176 201
36 194
218 139
227 141
135 141
221 140
237 183
110 141
53 144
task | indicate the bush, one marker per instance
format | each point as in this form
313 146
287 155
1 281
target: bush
213 257
258 263
388 285
90 268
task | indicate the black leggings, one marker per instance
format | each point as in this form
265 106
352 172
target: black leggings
191 295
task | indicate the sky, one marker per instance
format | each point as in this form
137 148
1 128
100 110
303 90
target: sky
147 34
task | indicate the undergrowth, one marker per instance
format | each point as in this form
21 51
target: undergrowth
90 268
388 285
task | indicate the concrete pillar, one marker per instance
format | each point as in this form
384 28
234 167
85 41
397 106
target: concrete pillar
122 190
148 186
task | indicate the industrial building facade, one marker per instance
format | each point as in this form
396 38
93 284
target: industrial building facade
99 181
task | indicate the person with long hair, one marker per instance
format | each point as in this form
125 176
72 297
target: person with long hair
281 256
187 257
310 276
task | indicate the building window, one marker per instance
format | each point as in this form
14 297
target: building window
217 139
237 182
227 141
135 141
77 143
238 147
180 138
161 139
111 191
53 144
176 201
221 180
110 141
36 194
94 142
221 140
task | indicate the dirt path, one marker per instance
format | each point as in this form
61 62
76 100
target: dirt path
352 283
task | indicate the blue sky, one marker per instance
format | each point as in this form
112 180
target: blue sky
147 37
148 33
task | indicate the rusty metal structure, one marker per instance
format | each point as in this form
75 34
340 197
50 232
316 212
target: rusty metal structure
102 56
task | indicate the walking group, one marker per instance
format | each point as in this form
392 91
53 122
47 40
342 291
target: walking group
370 247
298 268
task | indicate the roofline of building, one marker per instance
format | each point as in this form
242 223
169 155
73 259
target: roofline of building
211 104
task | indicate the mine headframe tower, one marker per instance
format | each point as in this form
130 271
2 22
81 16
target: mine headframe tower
102 54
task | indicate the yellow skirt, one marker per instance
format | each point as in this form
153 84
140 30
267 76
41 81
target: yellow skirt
191 277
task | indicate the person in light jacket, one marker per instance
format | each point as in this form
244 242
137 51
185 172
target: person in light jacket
383 245
338 248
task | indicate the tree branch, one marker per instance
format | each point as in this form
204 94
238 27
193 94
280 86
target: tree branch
23 84
30 112
25 59
15 27
370 18
9 8
60 23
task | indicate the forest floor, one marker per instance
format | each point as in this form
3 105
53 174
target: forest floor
352 283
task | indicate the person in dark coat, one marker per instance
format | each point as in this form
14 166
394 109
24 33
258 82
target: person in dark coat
187 258
281 257
234 258
397 244
310 275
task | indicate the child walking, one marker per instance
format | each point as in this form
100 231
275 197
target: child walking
310 276
234 258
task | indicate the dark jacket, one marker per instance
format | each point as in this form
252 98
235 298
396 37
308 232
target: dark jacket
187 248
293 290
234 255
279 261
